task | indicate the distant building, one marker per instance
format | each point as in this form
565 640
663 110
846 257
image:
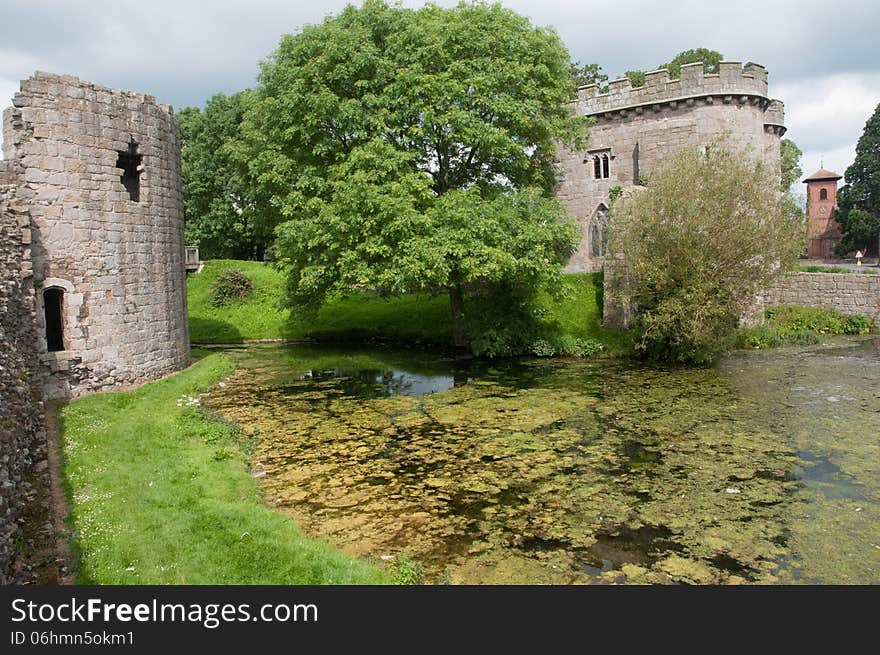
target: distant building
823 232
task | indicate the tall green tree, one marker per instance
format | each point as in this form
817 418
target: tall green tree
411 150
858 201
220 210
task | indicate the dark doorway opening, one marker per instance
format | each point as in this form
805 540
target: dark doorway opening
130 163
53 301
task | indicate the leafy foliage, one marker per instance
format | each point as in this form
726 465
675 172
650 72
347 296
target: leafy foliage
796 325
636 77
814 268
231 286
583 75
689 286
858 202
790 163
710 59
789 173
413 150
221 214
407 571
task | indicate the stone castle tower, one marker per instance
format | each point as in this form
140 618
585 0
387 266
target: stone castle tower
92 176
823 232
634 129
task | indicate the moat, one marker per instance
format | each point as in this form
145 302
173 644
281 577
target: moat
765 469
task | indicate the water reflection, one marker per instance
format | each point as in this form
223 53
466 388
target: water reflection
765 469
376 383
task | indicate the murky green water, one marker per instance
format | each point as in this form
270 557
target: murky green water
765 469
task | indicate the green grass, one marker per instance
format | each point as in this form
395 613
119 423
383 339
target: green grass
797 325
815 268
363 316
160 493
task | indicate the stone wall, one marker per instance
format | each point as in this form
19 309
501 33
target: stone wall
847 293
638 128
22 432
99 170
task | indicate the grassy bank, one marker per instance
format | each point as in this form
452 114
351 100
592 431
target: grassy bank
796 325
161 494
413 318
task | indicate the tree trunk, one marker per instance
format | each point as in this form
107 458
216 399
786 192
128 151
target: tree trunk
456 304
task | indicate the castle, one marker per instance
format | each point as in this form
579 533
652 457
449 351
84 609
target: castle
91 179
635 129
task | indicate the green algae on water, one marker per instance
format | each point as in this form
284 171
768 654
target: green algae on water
762 470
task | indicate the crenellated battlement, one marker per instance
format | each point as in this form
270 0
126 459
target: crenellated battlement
733 82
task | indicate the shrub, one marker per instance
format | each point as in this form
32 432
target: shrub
857 324
795 325
814 268
231 286
408 571
688 285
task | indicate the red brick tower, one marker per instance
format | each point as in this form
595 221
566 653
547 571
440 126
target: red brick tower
823 232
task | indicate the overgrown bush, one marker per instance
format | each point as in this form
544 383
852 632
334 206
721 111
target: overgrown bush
698 244
796 325
231 286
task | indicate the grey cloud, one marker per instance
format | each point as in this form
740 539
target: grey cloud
184 52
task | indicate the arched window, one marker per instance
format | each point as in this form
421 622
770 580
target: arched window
599 232
601 163
53 304
823 194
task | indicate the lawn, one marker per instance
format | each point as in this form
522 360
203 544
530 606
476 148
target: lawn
416 318
160 493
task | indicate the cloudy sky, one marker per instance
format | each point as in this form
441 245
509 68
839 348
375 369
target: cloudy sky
823 57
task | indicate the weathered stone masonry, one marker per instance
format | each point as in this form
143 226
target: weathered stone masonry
847 293
635 129
99 171
22 433
92 281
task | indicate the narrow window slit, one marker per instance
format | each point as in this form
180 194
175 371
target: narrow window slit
130 163
53 302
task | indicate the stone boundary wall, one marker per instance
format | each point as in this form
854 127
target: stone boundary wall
847 293
855 293
22 426
732 81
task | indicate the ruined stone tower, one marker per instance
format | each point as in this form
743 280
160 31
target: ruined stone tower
96 178
635 129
